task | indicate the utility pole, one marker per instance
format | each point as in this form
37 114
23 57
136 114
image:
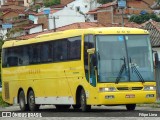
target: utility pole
54 22
122 5
122 18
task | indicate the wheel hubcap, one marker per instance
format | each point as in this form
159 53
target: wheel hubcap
31 100
21 103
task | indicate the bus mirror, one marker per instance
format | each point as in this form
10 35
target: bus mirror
91 51
156 59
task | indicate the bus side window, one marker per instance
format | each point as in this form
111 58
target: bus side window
45 52
25 55
4 58
88 43
74 48
12 61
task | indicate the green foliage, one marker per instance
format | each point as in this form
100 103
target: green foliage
139 19
104 1
2 103
48 3
37 7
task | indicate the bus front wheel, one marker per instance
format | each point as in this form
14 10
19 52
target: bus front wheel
31 101
131 107
83 102
22 102
76 106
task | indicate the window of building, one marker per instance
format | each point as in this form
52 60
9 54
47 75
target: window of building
95 16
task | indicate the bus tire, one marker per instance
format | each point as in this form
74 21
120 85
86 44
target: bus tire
130 107
31 101
84 106
22 102
76 106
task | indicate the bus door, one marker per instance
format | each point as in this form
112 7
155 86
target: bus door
92 67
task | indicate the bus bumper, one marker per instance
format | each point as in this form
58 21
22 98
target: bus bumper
137 97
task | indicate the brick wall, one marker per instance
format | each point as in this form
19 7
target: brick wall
43 20
104 18
64 2
10 15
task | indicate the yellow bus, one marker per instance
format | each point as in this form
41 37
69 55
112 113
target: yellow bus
79 68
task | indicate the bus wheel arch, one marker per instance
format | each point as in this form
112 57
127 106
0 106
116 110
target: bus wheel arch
78 93
20 89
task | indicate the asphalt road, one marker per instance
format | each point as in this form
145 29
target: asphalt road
102 111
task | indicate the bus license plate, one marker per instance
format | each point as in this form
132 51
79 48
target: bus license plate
130 96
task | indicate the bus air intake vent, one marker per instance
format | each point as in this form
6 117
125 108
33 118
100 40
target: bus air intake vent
6 90
122 88
137 88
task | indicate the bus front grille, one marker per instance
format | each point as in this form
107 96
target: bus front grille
6 90
122 88
129 88
137 88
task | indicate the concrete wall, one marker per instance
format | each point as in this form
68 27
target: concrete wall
36 29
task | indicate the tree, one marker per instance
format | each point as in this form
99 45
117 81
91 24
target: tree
104 1
139 19
48 3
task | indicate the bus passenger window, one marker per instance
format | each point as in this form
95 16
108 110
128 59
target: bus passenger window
12 61
74 48
46 50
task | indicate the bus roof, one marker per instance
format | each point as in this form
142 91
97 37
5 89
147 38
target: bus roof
74 32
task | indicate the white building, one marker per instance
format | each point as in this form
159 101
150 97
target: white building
73 12
3 33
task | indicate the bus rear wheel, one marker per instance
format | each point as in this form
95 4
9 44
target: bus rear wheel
31 101
22 102
131 107
84 106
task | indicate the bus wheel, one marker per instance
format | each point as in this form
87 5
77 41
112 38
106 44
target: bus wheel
31 101
76 106
62 107
84 105
22 102
131 107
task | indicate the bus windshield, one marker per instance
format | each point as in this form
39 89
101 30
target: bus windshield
124 58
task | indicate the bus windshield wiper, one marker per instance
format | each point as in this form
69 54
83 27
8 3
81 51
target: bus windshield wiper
133 67
121 70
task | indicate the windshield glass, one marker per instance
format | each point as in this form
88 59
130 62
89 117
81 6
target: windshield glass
139 53
124 58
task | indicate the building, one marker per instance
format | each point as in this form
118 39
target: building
79 25
110 13
24 3
73 11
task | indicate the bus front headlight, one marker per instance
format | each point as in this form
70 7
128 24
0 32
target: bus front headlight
107 89
149 88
